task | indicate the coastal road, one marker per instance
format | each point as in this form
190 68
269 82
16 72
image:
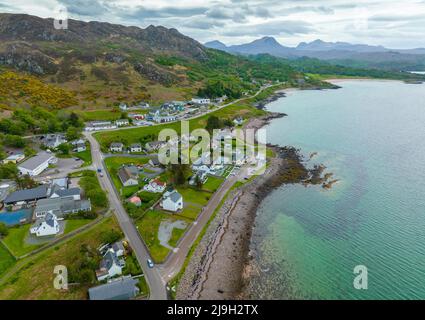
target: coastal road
152 276
175 261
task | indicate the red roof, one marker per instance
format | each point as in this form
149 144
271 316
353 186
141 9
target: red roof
158 182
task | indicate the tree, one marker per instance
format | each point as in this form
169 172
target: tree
179 173
198 182
4 231
64 148
9 171
111 236
25 182
28 151
213 123
72 133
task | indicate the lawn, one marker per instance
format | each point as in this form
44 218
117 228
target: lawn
175 236
148 227
34 281
6 259
194 196
113 164
85 156
139 134
212 184
15 240
74 224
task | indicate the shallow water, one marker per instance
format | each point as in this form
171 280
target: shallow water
307 241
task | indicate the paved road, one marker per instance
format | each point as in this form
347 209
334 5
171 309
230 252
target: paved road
153 277
158 277
175 261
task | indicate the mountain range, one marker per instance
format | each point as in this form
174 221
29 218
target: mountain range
354 55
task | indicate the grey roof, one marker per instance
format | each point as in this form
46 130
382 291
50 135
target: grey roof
136 145
61 206
36 161
27 195
121 289
116 145
50 219
155 160
118 246
109 260
175 197
127 173
61 182
68 192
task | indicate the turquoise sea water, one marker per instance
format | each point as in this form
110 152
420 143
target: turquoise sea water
307 241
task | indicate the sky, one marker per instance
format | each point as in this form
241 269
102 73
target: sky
394 24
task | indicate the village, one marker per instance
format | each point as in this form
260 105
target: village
53 203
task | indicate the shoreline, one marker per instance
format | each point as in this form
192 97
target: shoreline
218 267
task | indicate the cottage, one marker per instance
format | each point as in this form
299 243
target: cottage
110 266
238 121
129 176
122 122
155 186
15 158
116 147
172 202
52 141
118 248
202 101
78 145
36 165
120 289
123 106
154 162
48 226
155 145
136 148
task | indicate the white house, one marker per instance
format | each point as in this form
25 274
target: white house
116 147
79 145
118 248
36 165
129 176
110 266
155 186
198 100
48 226
122 122
172 202
100 125
136 147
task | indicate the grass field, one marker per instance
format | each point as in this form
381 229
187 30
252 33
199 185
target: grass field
15 240
74 224
85 156
34 281
148 227
212 184
139 134
6 259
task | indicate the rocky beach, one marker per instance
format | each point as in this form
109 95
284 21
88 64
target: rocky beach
219 267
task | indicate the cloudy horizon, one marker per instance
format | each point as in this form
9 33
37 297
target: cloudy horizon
390 23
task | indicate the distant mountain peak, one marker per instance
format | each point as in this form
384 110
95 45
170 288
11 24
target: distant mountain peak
215 44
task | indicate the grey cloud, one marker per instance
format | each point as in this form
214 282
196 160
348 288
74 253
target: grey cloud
166 12
88 8
274 28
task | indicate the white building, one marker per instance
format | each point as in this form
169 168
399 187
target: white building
122 122
136 148
110 266
116 147
172 202
201 100
36 165
78 145
48 226
155 186
100 125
